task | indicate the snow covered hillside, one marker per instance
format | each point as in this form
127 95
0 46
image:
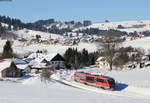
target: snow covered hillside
129 26
29 34
139 43
4 25
23 49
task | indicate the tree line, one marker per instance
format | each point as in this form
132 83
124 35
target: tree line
74 58
110 47
91 31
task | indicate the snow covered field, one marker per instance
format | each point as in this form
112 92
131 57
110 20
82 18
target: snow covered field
127 24
142 43
20 48
28 34
132 86
37 90
57 93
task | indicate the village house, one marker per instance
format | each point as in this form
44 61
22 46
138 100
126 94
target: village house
65 41
23 40
9 69
45 41
101 62
21 64
36 65
56 61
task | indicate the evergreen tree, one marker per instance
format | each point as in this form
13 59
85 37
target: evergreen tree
9 27
85 57
75 59
7 50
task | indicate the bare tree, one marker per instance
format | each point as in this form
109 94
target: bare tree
109 46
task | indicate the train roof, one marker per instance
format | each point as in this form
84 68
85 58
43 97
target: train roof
97 75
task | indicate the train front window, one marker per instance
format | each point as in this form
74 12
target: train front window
111 82
101 80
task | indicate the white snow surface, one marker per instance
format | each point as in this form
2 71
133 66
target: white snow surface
139 43
4 64
34 89
21 48
28 34
127 24
4 24
37 80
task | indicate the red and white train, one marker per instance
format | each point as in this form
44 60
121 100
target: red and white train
95 80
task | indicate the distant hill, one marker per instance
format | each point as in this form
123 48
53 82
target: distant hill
8 24
127 26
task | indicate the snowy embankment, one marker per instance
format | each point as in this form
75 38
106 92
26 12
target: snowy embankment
57 93
136 87
34 89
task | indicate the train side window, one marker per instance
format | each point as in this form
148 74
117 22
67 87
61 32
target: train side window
90 79
76 75
101 80
82 78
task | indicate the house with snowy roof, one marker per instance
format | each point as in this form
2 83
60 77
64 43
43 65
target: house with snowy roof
101 62
9 69
21 64
54 60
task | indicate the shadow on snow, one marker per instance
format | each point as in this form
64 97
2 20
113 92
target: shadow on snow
120 86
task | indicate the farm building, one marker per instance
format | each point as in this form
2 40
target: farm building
56 61
9 69
101 62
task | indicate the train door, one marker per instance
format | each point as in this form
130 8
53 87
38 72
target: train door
76 77
102 83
